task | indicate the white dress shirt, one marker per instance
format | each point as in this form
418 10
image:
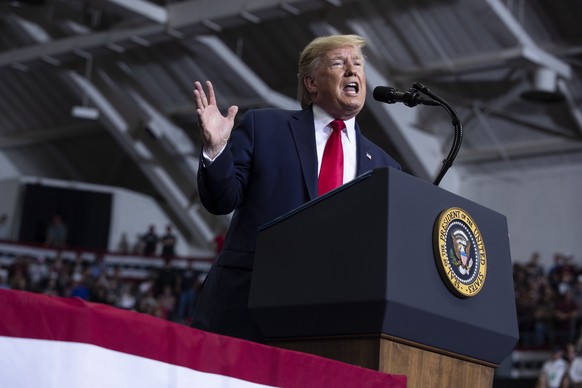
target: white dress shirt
323 130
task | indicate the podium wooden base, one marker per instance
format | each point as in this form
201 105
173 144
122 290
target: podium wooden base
424 367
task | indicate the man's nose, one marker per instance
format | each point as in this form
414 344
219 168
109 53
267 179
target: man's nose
350 68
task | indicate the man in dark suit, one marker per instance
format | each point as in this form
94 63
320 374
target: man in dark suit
270 165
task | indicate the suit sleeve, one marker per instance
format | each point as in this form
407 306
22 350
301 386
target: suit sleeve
222 184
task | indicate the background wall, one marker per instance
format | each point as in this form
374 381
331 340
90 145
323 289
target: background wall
131 212
543 207
9 196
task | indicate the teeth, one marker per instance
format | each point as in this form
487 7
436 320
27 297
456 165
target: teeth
352 85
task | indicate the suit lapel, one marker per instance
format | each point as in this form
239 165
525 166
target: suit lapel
363 155
304 135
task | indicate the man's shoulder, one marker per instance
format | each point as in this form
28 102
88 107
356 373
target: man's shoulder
378 152
272 113
370 145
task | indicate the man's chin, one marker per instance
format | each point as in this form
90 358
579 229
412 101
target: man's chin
352 108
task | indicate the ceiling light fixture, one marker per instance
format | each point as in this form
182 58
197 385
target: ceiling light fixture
544 87
84 111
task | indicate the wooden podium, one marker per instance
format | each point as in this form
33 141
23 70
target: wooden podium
354 276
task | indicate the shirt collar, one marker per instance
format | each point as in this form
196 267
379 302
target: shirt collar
321 119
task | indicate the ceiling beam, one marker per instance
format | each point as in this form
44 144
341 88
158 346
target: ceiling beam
552 130
186 13
530 49
574 105
484 123
144 8
167 21
118 126
29 138
70 44
247 75
536 149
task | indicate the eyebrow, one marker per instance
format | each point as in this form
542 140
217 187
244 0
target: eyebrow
343 57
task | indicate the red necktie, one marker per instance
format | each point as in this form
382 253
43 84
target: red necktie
331 174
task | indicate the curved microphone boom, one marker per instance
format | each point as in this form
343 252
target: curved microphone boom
412 98
448 162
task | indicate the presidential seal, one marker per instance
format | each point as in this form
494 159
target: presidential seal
459 252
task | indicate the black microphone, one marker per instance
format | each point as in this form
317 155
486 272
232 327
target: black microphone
410 98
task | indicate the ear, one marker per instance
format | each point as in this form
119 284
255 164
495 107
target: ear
310 84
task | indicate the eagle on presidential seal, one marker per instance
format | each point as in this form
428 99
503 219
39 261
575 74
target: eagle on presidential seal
460 254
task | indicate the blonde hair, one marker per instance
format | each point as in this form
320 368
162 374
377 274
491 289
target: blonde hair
311 55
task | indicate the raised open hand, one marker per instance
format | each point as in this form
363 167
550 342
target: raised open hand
214 127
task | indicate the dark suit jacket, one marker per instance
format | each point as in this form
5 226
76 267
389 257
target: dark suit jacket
268 168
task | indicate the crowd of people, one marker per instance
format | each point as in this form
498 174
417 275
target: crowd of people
168 292
562 370
548 301
151 243
549 312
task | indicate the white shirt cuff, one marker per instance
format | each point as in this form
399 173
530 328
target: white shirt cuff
207 160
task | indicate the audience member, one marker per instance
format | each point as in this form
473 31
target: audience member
167 277
127 299
167 302
168 243
99 293
553 370
115 285
575 371
577 294
18 274
38 272
79 287
544 318
123 245
56 233
570 375
555 272
79 266
58 272
4 227
3 283
188 285
150 241
526 311
52 288
566 311
533 268
148 304
138 246
146 285
97 267
219 242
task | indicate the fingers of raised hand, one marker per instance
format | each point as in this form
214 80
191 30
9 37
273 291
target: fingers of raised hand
211 95
200 96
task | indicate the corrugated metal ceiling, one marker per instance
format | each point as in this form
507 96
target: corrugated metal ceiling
135 61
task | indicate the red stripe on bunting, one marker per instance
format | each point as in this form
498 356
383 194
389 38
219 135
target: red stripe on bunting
36 316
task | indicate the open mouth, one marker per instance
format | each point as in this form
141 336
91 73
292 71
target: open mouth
352 88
